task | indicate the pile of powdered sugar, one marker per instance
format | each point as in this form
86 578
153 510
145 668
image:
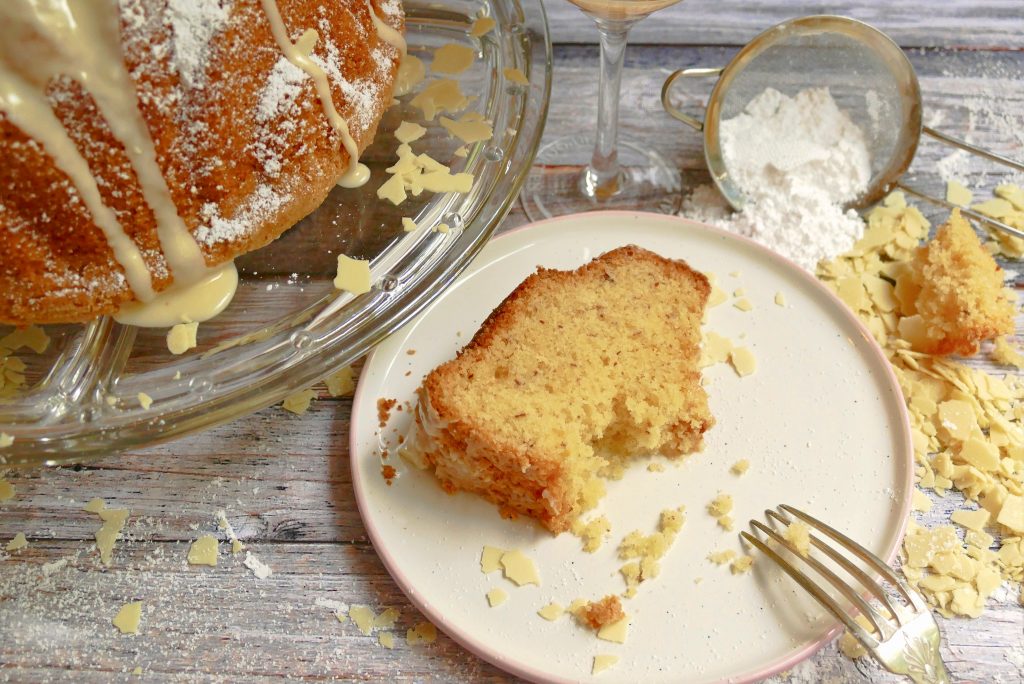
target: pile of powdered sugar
798 160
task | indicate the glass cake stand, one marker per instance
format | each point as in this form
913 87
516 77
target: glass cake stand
288 327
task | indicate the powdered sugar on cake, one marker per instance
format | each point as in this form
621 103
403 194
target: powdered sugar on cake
798 160
194 24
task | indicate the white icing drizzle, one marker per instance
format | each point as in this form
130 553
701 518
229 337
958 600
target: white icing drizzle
28 109
355 176
82 39
386 32
185 302
299 54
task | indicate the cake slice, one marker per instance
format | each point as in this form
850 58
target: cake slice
572 374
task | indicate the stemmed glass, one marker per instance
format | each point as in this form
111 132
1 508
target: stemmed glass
621 173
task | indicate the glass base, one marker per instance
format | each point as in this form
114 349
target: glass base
558 184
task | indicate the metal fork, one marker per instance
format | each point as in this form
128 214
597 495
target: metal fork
905 641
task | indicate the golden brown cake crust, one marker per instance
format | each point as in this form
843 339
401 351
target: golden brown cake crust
466 455
246 153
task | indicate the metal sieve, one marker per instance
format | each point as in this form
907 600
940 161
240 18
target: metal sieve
867 74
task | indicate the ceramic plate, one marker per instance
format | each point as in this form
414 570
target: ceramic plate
821 421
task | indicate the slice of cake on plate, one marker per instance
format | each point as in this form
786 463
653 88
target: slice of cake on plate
574 373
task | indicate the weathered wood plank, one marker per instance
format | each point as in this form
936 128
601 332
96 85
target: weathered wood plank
960 23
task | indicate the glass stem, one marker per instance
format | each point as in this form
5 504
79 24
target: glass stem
601 178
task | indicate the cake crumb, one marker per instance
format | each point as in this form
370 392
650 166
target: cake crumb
423 633
849 645
1005 354
519 568
655 467
598 614
496 596
592 533
649 549
388 472
798 534
203 551
741 565
722 557
720 505
128 618
384 407
740 467
603 662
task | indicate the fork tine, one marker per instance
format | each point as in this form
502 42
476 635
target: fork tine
883 628
814 590
866 580
884 570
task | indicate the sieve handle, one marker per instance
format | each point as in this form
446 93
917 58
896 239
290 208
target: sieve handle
966 211
973 149
697 72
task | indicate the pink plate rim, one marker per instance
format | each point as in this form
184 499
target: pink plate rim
786 662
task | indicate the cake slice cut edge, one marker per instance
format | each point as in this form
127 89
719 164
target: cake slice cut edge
572 375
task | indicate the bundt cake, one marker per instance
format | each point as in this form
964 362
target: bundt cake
145 142
574 370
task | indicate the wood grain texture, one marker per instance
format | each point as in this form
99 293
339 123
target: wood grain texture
957 23
284 480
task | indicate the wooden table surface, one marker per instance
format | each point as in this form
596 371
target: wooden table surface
283 480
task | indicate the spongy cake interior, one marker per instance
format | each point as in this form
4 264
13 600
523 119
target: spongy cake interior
573 372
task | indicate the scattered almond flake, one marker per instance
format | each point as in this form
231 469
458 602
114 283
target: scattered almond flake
740 467
441 228
515 75
409 131
423 633
798 534
418 172
496 596
203 551
722 557
592 533
387 618
392 190
742 361
743 305
482 26
182 337
849 645
1004 353
408 225
452 59
519 568
260 570
603 662
128 618
363 617
386 639
440 95
110 531
490 559
552 611
741 565
920 501
957 194
145 401
32 337
615 632
6 490
715 349
353 275
972 520
19 542
738 292
411 73
461 152
341 382
299 402
780 299
470 128
720 505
